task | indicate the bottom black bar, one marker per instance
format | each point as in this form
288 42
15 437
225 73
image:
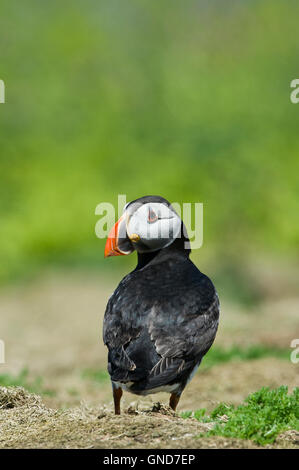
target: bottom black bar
135 458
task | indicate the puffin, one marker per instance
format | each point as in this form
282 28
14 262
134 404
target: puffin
163 317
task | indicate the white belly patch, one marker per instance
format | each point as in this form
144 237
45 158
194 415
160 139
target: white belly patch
165 388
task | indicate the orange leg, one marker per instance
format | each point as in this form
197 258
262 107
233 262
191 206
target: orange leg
173 401
117 394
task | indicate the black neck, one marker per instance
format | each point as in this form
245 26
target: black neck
145 258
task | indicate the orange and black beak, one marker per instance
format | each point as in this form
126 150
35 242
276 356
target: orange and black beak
118 242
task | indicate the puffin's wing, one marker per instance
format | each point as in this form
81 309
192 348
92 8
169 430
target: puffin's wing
183 337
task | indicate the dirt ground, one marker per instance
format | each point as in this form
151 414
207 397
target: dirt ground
53 327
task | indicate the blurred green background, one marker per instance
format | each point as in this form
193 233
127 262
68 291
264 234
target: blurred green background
188 100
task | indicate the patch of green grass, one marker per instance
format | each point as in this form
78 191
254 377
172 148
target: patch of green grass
218 355
263 415
199 414
22 380
97 375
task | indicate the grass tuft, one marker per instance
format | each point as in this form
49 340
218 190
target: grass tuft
261 418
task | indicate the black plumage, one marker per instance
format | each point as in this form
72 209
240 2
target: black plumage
160 322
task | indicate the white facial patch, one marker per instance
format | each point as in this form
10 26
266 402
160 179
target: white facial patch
156 225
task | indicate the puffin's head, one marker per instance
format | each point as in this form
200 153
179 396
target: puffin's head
148 224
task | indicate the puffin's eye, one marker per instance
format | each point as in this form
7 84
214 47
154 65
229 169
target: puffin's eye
152 216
